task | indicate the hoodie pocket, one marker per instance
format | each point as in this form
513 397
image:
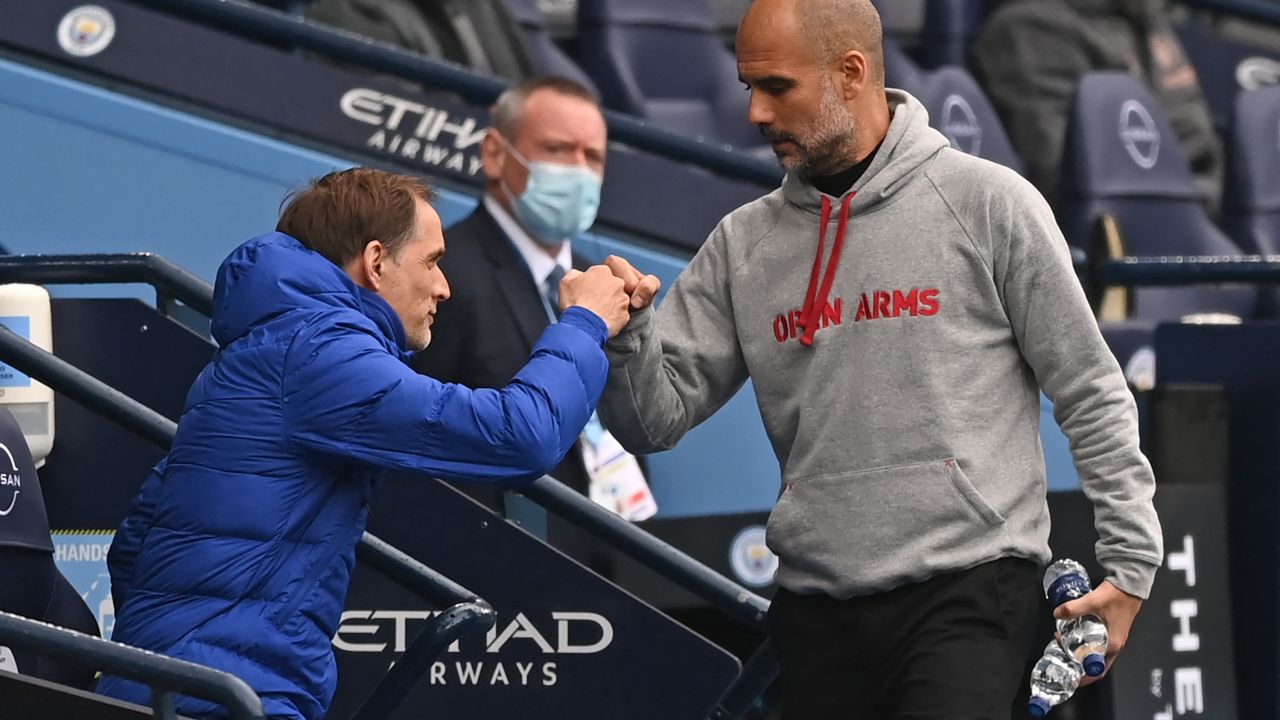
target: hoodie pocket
868 530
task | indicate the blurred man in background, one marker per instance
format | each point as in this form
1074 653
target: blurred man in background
1031 55
543 162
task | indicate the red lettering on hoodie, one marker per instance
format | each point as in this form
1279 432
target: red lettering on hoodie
832 312
929 304
787 326
882 305
905 302
780 328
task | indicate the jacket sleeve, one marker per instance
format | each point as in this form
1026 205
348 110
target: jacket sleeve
1060 340
346 396
673 367
128 539
1030 59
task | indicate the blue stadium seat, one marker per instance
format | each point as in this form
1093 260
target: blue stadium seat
949 27
1252 204
548 58
900 71
961 111
663 61
1123 160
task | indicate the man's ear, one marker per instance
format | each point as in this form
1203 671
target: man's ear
493 154
854 74
373 263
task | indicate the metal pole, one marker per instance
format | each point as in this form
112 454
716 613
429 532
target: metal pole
735 600
129 662
441 631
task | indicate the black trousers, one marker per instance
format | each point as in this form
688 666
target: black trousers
957 646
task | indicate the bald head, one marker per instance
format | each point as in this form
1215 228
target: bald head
824 30
815 69
834 27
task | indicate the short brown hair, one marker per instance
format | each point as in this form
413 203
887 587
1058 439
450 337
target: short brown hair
342 212
505 114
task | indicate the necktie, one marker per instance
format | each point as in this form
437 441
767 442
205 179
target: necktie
552 290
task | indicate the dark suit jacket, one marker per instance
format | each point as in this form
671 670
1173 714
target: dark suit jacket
486 331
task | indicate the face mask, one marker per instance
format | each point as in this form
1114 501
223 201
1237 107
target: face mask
559 201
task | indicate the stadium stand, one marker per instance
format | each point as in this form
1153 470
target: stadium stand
1253 199
1123 161
548 57
663 61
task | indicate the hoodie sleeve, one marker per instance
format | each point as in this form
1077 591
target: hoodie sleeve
673 367
1060 339
345 395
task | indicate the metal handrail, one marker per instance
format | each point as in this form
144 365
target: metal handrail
1190 270
168 674
1266 12
282 27
468 613
440 632
733 599
168 279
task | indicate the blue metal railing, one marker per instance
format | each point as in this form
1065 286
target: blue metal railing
166 675
1260 10
281 27
170 281
1207 269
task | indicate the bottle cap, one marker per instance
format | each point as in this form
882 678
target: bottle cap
1094 664
1038 707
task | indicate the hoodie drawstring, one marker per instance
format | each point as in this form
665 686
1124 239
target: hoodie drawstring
815 299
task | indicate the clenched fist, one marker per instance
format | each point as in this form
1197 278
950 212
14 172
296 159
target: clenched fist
599 291
640 288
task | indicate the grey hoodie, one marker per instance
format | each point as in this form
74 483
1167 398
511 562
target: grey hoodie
908 431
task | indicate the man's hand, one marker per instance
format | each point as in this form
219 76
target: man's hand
1117 610
641 288
599 291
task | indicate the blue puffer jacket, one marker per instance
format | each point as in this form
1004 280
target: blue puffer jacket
238 550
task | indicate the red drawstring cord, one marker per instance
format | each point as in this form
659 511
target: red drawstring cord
815 303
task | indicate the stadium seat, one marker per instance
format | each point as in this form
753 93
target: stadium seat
949 26
902 18
960 110
1226 66
30 583
1252 203
900 71
662 60
1123 161
548 58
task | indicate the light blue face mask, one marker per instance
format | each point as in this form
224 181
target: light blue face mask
559 202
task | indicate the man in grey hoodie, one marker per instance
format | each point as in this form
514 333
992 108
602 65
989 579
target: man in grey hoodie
898 306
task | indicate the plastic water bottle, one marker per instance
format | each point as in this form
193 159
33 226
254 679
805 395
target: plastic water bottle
1084 638
1054 679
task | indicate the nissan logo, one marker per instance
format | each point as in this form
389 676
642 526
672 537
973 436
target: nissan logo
960 125
1256 72
1139 135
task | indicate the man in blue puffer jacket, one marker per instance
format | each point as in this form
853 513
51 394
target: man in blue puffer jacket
238 550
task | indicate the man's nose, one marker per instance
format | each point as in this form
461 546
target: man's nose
759 111
442 288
